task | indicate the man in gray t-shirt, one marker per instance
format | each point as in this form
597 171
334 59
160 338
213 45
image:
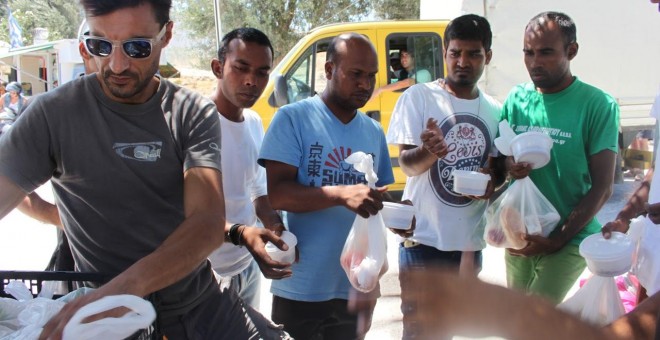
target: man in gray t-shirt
135 166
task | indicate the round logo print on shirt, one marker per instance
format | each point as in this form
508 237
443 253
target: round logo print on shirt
468 141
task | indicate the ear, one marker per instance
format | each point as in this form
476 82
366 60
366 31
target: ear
83 51
489 56
216 67
572 50
329 68
168 34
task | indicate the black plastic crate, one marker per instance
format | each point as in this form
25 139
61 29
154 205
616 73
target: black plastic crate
73 280
34 279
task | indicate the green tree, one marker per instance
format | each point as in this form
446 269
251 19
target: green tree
396 9
284 21
60 17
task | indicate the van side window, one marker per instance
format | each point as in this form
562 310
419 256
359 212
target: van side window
414 55
307 77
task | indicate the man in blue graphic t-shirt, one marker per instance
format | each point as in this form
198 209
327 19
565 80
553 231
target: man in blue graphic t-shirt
303 152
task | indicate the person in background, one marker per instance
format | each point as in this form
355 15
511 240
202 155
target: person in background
431 124
245 58
13 99
304 154
3 90
414 75
583 122
135 166
397 73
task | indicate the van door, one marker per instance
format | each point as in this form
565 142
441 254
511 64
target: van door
425 63
306 78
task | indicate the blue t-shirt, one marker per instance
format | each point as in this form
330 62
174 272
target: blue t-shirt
307 135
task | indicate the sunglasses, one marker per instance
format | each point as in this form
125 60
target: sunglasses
137 48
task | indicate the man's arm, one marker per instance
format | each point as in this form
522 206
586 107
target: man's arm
640 323
36 207
633 208
601 169
415 160
189 245
285 193
255 239
450 304
10 196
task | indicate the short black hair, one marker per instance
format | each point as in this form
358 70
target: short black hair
565 23
469 27
247 34
95 8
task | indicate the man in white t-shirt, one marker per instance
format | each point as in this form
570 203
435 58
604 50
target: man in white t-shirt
645 200
439 127
244 61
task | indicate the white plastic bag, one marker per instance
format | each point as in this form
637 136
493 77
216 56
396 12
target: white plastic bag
597 302
141 316
364 257
646 261
522 209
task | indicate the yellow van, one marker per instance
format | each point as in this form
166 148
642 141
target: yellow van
300 73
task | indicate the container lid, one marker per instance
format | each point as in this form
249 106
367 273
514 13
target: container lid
471 174
399 206
596 247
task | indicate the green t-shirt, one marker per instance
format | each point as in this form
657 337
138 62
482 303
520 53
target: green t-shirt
582 120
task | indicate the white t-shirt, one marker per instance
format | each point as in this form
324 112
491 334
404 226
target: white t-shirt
651 236
243 181
446 220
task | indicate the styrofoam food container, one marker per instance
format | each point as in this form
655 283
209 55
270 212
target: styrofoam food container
397 216
280 255
470 182
532 147
608 257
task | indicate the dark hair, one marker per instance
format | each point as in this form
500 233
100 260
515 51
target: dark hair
247 34
95 8
565 23
469 27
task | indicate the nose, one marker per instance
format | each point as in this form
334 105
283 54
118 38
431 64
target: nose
364 82
119 61
462 59
250 79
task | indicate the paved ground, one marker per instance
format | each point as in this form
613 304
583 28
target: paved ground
27 245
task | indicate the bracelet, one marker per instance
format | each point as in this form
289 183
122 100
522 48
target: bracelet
234 237
240 233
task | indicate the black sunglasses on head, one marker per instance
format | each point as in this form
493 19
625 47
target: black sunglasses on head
137 48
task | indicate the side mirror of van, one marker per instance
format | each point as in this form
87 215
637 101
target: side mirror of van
280 96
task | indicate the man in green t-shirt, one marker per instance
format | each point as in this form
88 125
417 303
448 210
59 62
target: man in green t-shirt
583 123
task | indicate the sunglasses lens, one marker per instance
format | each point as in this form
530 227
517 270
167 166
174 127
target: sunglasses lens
138 48
98 47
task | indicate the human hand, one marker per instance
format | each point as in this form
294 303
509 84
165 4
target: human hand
537 245
653 212
619 224
255 240
363 200
518 170
490 187
433 140
363 305
54 328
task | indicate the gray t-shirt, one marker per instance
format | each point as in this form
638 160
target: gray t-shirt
117 172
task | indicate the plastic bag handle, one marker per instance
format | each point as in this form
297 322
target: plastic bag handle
141 316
